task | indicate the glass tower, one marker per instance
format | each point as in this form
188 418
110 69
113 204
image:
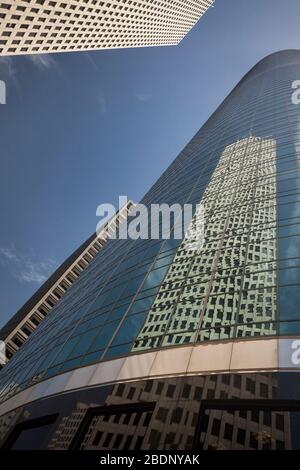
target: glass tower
155 342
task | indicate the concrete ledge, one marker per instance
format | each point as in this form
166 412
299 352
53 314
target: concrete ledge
250 355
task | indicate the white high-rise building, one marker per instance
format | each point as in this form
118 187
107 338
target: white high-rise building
41 26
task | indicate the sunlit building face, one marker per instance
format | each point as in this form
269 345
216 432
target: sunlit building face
42 26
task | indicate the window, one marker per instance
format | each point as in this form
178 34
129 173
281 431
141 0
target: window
97 438
228 431
170 390
216 427
162 414
241 436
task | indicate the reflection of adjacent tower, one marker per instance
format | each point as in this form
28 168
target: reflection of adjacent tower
66 430
227 288
172 422
8 420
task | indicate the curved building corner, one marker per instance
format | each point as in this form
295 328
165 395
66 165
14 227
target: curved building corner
159 347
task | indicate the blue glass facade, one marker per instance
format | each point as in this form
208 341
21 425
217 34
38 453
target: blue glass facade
145 294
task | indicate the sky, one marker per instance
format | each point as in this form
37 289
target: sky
80 129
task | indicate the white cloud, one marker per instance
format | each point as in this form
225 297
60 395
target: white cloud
7 66
143 96
24 267
100 97
90 59
42 61
8 72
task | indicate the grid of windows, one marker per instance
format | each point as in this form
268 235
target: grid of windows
245 429
179 414
37 26
228 287
244 163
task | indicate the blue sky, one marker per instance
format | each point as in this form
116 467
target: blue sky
79 129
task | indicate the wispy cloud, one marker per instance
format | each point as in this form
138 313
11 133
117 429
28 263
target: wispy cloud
90 59
24 267
143 96
8 71
7 66
100 97
42 61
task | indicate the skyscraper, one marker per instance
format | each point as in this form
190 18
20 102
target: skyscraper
18 329
38 26
161 347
